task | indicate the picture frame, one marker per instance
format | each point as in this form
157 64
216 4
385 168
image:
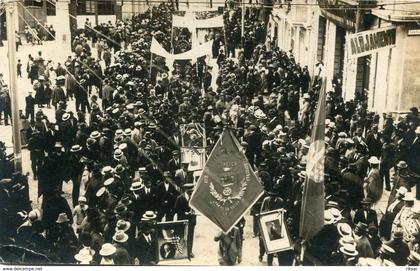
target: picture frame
274 232
193 135
195 157
172 238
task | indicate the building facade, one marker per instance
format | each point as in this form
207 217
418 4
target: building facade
323 33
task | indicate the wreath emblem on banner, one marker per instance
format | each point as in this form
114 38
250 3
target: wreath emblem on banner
228 194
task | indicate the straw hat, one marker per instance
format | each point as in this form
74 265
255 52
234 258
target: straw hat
409 197
148 215
136 186
344 229
374 160
107 250
349 250
83 256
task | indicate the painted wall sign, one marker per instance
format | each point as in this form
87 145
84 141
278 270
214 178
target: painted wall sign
368 42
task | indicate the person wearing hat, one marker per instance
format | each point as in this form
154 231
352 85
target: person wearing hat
36 151
373 183
325 242
107 252
399 246
30 106
413 157
402 177
79 213
182 175
145 244
387 160
65 241
385 253
174 163
136 200
184 212
121 255
363 245
83 257
366 215
354 185
68 129
403 216
413 259
349 254
76 168
273 201
166 193
393 208
411 225
58 95
373 142
414 243
230 247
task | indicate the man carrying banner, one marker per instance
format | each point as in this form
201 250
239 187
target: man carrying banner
184 212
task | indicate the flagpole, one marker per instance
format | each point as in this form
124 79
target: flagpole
150 68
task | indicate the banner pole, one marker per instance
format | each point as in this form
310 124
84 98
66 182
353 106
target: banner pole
150 68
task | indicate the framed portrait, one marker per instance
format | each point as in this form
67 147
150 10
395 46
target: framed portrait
193 135
195 157
172 239
274 232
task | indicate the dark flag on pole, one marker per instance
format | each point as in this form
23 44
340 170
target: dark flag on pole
312 212
228 186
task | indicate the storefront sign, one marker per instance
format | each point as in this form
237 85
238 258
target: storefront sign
368 42
414 32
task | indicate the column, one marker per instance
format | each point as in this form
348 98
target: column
63 35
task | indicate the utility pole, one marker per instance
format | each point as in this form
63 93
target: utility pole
11 18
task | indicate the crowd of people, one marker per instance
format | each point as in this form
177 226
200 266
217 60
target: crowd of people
120 150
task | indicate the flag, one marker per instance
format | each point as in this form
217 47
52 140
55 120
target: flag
312 212
228 186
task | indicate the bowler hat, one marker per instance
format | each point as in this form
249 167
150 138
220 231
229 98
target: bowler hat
122 225
120 236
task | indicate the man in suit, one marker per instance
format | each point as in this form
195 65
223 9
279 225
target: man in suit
373 182
373 141
137 204
182 176
30 106
362 242
393 208
184 212
148 195
366 215
166 193
174 163
413 158
146 244
121 256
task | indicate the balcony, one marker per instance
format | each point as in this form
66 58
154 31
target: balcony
343 12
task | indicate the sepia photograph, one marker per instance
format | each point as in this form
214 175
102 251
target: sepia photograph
208 133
